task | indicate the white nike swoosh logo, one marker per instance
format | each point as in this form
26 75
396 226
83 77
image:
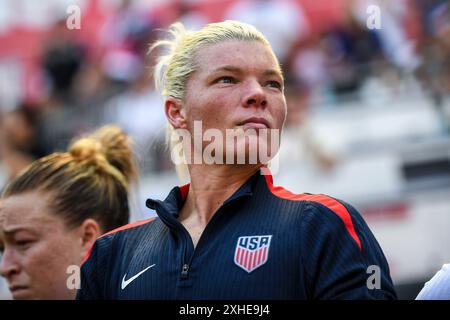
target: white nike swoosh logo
125 283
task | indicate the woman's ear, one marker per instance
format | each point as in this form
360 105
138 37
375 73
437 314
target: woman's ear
175 113
89 232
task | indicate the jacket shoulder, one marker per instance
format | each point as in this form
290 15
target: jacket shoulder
320 203
106 239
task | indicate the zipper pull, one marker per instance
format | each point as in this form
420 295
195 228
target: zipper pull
185 271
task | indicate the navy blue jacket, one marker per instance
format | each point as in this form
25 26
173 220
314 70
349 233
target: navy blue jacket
264 242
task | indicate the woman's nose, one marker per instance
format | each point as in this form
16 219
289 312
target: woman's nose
8 265
255 95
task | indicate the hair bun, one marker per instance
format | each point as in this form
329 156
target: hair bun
108 143
86 149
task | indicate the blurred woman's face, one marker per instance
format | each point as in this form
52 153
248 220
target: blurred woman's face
37 248
238 85
17 131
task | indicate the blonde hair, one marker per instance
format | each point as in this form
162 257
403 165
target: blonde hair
91 180
179 57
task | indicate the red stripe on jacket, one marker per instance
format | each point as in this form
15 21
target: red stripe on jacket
334 205
127 226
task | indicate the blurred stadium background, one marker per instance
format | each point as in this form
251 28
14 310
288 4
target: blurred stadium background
369 110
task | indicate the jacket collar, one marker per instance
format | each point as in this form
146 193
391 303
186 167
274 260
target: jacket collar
174 202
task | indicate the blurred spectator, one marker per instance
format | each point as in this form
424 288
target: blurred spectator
434 74
186 11
298 144
140 112
125 37
308 66
397 47
92 90
427 10
435 50
190 16
62 59
350 51
336 61
281 21
58 123
18 144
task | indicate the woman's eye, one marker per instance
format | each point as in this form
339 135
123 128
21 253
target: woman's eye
23 243
274 84
225 80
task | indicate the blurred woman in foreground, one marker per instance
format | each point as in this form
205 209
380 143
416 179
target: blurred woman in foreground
51 214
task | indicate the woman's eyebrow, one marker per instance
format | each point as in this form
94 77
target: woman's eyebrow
268 72
10 231
227 68
14 230
273 72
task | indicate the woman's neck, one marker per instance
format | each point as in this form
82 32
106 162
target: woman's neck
210 186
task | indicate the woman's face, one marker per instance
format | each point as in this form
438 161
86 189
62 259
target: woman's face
16 130
37 248
238 85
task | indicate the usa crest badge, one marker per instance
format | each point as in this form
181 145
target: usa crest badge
252 252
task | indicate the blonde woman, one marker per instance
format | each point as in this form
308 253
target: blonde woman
230 233
51 214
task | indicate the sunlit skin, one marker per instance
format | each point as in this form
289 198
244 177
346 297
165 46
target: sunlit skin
37 247
235 81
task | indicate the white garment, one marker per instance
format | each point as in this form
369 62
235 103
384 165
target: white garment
438 288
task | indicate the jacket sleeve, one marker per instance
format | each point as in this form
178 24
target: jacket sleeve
341 257
93 272
438 288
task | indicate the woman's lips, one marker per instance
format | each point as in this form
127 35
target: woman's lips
255 123
20 292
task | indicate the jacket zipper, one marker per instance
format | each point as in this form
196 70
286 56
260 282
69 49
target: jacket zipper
187 258
177 225
185 271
